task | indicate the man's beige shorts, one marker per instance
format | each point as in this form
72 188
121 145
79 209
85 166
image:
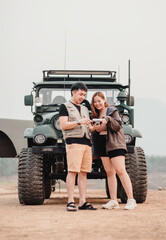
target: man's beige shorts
79 157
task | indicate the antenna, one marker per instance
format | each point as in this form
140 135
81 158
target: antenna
129 80
65 59
118 73
65 50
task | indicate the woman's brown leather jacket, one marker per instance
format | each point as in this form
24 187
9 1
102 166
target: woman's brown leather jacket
115 135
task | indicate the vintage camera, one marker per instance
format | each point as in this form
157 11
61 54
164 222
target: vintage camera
97 121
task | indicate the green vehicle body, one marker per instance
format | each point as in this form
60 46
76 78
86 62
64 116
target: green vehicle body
46 128
45 139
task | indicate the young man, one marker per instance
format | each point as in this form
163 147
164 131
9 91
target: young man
74 121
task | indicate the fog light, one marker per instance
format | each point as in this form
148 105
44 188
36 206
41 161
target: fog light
57 124
128 138
59 140
39 139
125 118
38 118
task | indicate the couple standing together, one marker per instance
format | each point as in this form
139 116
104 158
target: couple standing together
108 142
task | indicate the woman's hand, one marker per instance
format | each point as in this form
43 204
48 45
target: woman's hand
97 127
104 121
94 127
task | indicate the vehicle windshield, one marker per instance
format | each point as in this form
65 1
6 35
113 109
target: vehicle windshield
51 96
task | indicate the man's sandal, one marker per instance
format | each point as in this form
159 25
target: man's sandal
71 207
87 206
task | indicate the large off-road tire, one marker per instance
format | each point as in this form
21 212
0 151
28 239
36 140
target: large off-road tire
20 195
137 170
30 178
107 188
47 180
47 186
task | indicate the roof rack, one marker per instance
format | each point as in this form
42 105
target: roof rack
52 75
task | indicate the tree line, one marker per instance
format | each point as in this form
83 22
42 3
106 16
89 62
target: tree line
156 164
8 166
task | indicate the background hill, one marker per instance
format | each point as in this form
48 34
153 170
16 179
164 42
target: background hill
150 119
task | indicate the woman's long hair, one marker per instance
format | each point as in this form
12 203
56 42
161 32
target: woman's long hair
95 111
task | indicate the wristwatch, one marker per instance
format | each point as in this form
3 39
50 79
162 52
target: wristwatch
78 122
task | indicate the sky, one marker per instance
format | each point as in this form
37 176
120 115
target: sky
39 35
98 35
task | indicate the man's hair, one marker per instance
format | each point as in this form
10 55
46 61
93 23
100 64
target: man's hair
79 85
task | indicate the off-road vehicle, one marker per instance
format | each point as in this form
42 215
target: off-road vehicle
43 161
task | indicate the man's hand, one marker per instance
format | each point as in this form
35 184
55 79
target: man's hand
85 121
65 124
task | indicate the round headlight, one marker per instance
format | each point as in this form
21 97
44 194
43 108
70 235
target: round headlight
38 118
125 118
57 124
128 138
39 139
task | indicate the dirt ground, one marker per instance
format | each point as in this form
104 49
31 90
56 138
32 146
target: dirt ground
52 221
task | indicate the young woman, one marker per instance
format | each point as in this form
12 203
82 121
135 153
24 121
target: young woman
109 144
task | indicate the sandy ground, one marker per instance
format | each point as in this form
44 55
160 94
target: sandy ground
52 221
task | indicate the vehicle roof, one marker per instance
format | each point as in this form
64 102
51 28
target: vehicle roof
92 78
90 84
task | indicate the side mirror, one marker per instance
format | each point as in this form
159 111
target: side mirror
28 100
131 101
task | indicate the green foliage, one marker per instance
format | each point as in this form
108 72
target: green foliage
8 167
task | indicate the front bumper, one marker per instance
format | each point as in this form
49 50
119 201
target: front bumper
61 150
130 148
52 150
